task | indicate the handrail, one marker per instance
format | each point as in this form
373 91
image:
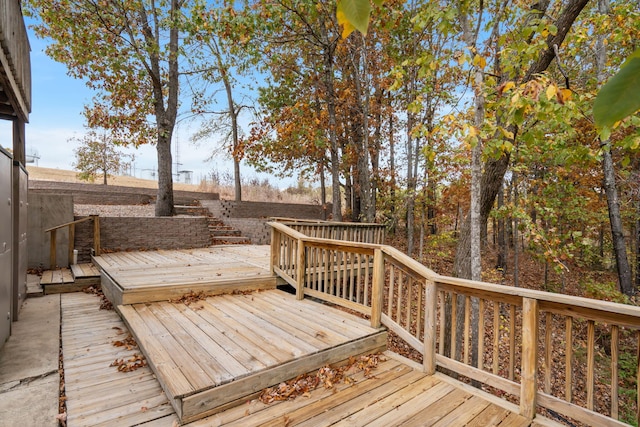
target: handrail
514 325
72 233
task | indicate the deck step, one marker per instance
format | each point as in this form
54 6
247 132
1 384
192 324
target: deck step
73 279
214 353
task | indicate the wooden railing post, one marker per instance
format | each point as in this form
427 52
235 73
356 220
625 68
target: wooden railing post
275 250
529 377
377 288
96 235
300 269
72 238
52 250
430 309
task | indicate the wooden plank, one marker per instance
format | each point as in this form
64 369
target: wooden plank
529 373
193 354
382 405
492 415
171 378
422 410
464 413
297 327
357 398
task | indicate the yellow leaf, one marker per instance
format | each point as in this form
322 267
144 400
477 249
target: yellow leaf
551 91
461 59
479 61
433 65
566 94
508 86
347 27
473 132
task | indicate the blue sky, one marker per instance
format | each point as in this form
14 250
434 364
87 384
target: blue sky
57 104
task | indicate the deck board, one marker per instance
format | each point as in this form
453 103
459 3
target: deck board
99 395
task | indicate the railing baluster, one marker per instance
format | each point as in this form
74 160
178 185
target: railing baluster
512 341
421 315
367 262
359 282
442 322
481 308
467 327
547 352
454 324
392 270
591 333
409 303
496 336
352 258
568 359
400 291
614 371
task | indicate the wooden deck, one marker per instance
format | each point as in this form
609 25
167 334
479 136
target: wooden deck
136 277
394 394
73 279
218 351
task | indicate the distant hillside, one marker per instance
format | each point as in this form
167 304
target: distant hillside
50 174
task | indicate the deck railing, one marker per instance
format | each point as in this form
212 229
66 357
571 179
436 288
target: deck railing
539 348
350 231
14 53
72 233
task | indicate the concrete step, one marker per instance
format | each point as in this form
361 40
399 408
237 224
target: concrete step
225 232
231 240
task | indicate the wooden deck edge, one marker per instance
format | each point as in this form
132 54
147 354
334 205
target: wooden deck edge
110 288
214 400
216 287
65 288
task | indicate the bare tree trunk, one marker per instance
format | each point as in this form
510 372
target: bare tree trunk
501 262
495 169
516 250
613 203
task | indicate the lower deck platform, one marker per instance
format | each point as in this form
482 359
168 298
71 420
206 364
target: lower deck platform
145 276
215 352
396 393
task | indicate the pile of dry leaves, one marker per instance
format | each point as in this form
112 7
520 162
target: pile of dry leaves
190 298
105 304
325 377
136 361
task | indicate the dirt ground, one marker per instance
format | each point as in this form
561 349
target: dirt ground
50 174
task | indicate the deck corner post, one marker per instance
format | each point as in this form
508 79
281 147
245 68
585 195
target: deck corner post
529 384
377 288
52 249
275 250
301 270
72 241
96 235
430 326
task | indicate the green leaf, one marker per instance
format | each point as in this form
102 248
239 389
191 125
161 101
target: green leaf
618 98
354 13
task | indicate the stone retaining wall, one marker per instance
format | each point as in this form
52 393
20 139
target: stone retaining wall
139 233
251 217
